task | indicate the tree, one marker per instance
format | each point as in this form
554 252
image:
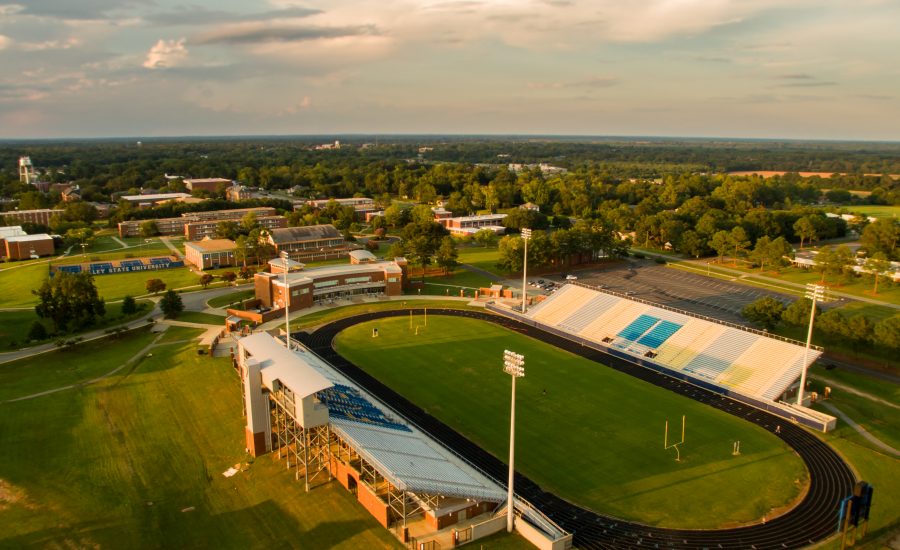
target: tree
249 222
229 277
778 250
129 306
227 229
372 245
691 243
797 313
739 242
486 237
149 228
761 252
69 300
246 273
833 261
721 243
765 311
447 255
881 236
887 332
876 265
155 286
37 332
206 279
171 305
805 228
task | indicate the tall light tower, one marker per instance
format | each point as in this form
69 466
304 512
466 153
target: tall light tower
816 293
514 365
287 300
526 235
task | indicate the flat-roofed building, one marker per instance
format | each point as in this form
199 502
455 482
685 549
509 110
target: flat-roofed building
210 253
361 205
230 214
468 225
166 226
206 184
149 201
322 284
39 216
22 247
176 226
312 242
194 231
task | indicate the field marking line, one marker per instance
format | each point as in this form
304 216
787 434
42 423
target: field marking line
120 241
131 360
862 431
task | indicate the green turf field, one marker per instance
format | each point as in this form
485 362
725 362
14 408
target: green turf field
595 437
877 211
135 461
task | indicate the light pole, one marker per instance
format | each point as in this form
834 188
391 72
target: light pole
526 234
83 246
514 365
815 293
287 301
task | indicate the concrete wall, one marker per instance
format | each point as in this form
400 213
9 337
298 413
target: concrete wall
488 527
539 539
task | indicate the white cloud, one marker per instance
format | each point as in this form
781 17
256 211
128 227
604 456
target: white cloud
166 54
5 41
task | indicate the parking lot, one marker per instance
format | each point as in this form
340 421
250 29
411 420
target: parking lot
695 293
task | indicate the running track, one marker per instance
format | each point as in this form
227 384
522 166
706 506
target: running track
813 520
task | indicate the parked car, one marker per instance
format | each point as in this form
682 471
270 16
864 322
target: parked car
571 277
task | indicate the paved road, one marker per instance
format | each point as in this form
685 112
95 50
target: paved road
196 301
172 247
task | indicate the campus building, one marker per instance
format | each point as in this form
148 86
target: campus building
40 216
309 243
22 247
194 231
206 184
176 226
469 225
318 285
149 201
210 253
363 206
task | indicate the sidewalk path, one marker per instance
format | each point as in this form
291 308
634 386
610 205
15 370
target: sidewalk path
862 431
854 391
172 247
120 241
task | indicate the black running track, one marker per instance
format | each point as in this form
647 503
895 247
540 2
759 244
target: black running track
814 519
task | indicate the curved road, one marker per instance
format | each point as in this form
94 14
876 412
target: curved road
811 521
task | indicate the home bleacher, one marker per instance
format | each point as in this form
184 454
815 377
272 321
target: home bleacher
347 403
745 361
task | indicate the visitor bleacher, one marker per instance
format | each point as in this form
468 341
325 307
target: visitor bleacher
69 268
160 260
101 267
732 357
131 263
347 403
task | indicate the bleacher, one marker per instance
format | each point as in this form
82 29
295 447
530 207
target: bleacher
159 261
748 362
99 268
131 263
69 268
347 403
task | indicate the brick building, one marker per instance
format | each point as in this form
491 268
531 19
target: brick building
194 231
210 253
321 284
206 184
22 247
313 242
469 225
41 216
176 226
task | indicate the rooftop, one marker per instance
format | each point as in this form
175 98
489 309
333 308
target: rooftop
27 238
479 217
212 245
308 233
155 197
311 274
277 363
207 180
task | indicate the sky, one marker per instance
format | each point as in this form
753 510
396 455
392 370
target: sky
806 69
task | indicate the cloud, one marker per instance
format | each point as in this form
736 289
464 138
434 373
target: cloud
48 45
257 33
5 42
165 54
202 16
589 83
79 9
802 80
11 9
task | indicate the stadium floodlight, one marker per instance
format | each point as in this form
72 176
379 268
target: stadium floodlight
513 365
526 235
287 300
816 293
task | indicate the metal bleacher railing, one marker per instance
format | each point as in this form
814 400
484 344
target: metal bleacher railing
695 315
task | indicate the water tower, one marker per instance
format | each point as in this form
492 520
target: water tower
26 170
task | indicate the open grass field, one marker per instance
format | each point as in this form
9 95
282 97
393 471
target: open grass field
320 317
135 461
482 257
233 298
874 210
586 432
14 325
200 317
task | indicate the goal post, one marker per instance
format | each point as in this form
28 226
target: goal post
674 445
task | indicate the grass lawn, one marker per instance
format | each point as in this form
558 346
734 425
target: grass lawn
18 282
484 258
459 279
135 461
875 210
177 334
857 286
328 315
14 325
233 298
200 317
595 437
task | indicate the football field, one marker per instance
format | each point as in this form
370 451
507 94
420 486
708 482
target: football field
590 434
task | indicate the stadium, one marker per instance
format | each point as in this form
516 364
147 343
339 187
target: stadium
409 436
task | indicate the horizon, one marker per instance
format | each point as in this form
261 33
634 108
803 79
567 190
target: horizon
769 70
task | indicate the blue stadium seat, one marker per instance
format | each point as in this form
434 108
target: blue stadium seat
69 268
160 260
101 267
347 403
131 263
638 327
659 334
